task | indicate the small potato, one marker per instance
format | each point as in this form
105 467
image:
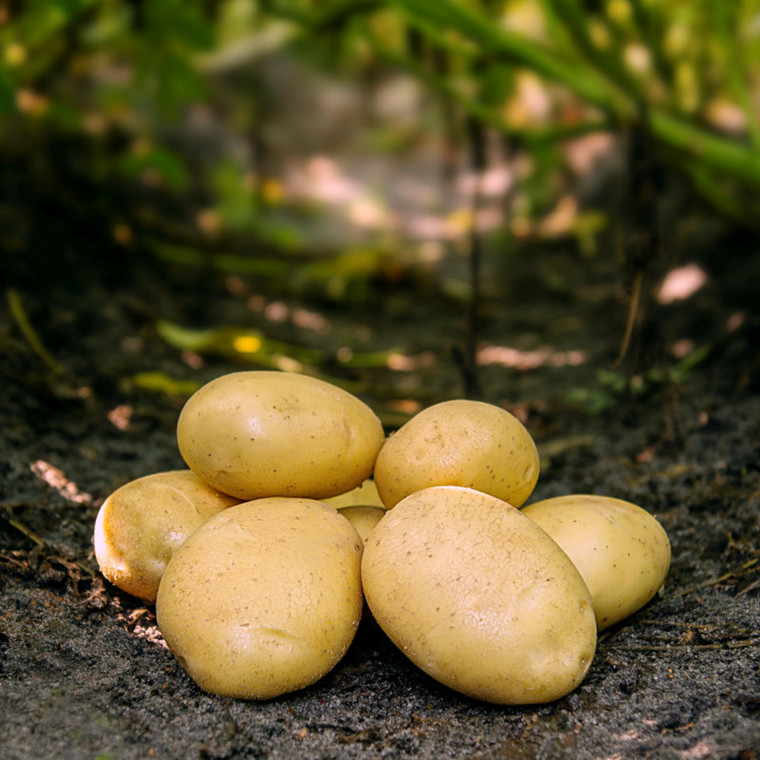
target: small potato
459 443
140 525
361 506
364 519
264 598
365 495
479 597
259 433
620 549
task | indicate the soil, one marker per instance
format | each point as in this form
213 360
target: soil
84 671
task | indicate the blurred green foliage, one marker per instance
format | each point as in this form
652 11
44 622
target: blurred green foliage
686 72
122 81
121 76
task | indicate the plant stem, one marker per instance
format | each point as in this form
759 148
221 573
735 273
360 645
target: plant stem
633 310
645 23
17 310
736 69
736 159
477 144
608 63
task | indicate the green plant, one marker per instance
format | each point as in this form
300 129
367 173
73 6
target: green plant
676 70
612 387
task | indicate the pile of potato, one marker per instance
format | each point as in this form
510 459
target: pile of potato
296 509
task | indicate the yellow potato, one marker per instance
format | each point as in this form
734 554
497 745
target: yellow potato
258 433
365 495
459 443
140 525
264 598
479 597
364 519
620 549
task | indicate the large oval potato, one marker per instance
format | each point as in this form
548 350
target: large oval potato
620 549
140 525
264 433
479 597
459 443
264 598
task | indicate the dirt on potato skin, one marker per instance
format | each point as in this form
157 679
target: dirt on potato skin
84 671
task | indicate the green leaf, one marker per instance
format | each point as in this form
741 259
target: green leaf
159 382
252 346
591 401
108 26
178 22
240 343
681 370
497 41
733 158
224 262
168 164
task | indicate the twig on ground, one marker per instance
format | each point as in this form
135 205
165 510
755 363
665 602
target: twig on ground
752 642
715 581
28 532
18 312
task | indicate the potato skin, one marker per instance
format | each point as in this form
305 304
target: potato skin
620 549
459 443
363 518
365 495
263 599
479 597
140 525
256 434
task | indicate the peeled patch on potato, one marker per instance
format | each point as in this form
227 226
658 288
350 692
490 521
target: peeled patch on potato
264 598
140 525
256 434
479 597
459 443
620 549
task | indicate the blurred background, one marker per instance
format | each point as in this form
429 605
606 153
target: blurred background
416 200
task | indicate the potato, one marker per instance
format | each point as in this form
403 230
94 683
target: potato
365 495
620 549
364 519
140 525
459 443
361 506
264 598
258 433
479 597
